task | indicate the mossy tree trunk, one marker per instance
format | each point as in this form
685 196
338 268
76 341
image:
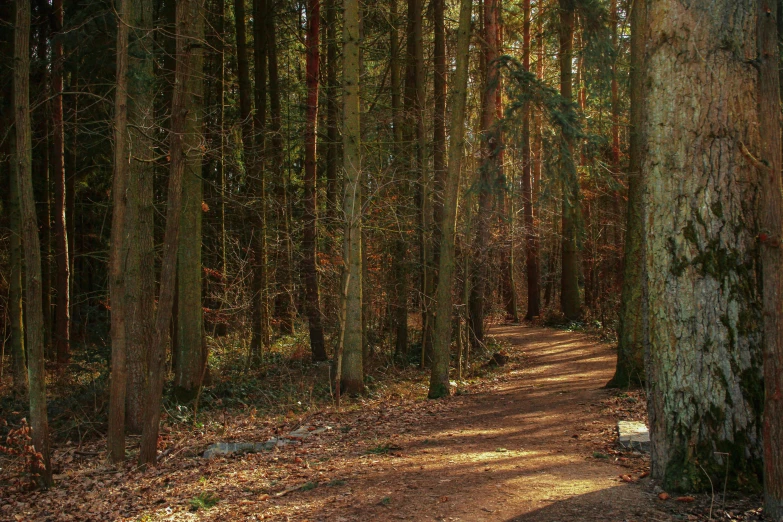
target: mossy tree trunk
439 378
704 318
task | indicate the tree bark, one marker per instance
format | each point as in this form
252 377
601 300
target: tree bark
703 308
487 175
531 237
16 260
260 312
285 310
191 357
569 275
118 384
309 240
189 24
32 247
332 112
771 222
630 350
352 372
62 329
439 378
139 244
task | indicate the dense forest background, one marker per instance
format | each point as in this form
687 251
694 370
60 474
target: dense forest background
198 192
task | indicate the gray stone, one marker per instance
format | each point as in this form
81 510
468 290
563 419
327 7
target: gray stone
634 436
231 448
303 432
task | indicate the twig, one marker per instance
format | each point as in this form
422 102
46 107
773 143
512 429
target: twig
759 164
712 488
289 490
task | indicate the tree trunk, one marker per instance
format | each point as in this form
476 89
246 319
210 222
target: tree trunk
32 247
704 316
630 350
189 23
438 131
191 357
16 260
139 245
62 329
569 275
487 175
352 374
260 284
284 304
531 238
332 111
771 222
309 240
117 296
439 378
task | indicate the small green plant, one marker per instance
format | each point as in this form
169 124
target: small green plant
599 455
335 483
204 500
385 501
309 485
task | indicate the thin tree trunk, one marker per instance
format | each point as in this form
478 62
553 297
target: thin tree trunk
439 378
332 112
438 131
352 375
487 173
569 275
771 221
531 237
630 350
189 24
116 434
32 246
309 240
62 329
16 259
284 304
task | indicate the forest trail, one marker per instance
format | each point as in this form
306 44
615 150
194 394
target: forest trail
521 448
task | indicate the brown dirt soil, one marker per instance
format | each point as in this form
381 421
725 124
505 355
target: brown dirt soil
534 442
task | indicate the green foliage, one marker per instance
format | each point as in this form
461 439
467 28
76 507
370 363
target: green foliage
204 500
309 485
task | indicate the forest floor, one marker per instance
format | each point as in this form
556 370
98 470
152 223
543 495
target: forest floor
533 441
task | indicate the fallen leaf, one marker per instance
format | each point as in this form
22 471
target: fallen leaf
645 474
626 478
684 499
444 499
663 496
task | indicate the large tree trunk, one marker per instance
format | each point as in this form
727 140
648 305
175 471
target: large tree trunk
487 175
630 350
309 244
139 246
438 131
32 246
771 223
332 112
569 275
189 21
703 313
62 329
191 356
351 379
439 379
117 296
260 311
531 238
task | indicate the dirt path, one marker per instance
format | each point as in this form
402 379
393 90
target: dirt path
521 449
